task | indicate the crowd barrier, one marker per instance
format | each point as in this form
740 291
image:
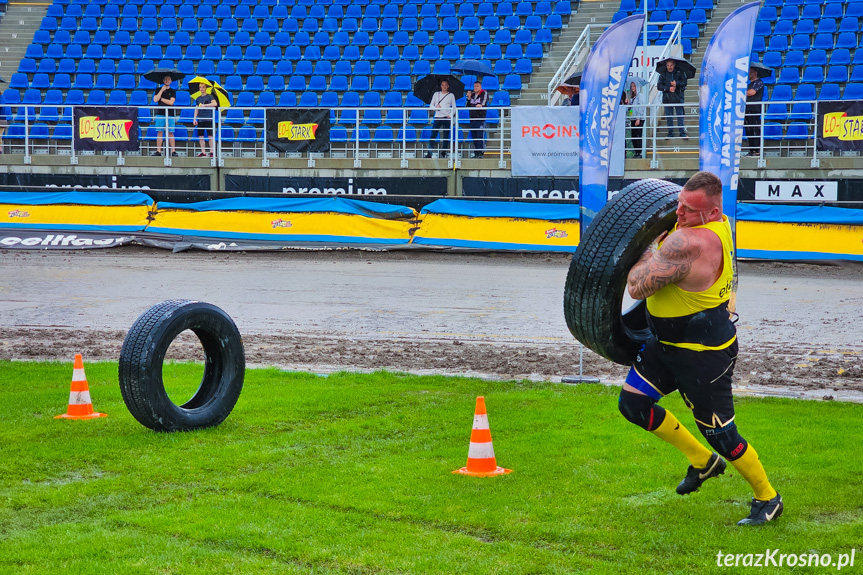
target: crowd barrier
43 221
783 127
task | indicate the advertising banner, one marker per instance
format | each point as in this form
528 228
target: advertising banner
108 129
306 186
644 61
532 188
27 240
124 181
840 126
602 83
545 141
796 191
298 130
722 90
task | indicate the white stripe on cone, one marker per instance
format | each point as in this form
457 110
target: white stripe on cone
480 451
79 398
480 421
78 375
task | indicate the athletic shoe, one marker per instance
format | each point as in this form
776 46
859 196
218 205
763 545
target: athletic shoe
174 154
684 133
156 154
202 155
760 512
695 477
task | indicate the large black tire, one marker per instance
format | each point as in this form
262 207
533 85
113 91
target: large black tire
144 352
596 281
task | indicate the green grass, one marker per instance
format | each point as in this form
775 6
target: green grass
352 474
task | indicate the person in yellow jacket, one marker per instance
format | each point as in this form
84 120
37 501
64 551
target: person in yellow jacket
686 276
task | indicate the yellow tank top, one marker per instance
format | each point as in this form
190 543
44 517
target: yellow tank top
674 302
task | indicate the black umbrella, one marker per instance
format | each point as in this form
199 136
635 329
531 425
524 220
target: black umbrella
573 81
472 67
159 74
760 69
426 86
684 65
1 79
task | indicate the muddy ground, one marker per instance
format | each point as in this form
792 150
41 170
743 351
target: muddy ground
485 315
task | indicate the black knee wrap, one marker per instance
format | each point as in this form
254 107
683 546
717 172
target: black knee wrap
641 410
727 441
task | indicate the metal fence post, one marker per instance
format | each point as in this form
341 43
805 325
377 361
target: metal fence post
27 158
501 162
816 161
404 160
73 159
762 162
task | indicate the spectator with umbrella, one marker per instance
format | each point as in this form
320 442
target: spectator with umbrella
440 92
477 99
571 87
165 97
673 73
206 104
754 94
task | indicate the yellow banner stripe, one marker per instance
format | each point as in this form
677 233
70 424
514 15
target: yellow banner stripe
501 230
823 238
74 215
283 224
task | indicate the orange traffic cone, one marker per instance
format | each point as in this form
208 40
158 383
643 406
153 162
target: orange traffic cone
80 406
480 454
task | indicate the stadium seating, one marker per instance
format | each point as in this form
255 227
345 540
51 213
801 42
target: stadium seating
299 52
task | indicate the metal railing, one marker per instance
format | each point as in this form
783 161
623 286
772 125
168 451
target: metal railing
781 129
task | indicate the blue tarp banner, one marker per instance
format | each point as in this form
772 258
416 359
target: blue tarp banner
800 214
76 198
602 83
722 91
306 205
528 210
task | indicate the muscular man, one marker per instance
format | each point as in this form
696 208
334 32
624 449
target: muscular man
686 277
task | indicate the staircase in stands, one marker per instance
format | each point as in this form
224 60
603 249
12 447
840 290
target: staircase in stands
17 27
595 13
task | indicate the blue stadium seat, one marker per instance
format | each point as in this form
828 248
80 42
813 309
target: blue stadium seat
812 75
774 59
814 58
96 98
823 42
772 131
789 76
853 91
268 99
32 96
829 92
801 111
61 82
846 40
798 131
837 74
74 97
778 43
783 27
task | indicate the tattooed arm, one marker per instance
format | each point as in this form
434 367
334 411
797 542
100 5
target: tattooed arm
669 264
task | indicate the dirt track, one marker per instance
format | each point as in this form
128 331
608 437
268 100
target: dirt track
491 315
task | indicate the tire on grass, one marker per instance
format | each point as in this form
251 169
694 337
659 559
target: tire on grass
595 284
143 354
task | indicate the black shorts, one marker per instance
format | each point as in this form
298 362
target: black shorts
203 126
703 379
